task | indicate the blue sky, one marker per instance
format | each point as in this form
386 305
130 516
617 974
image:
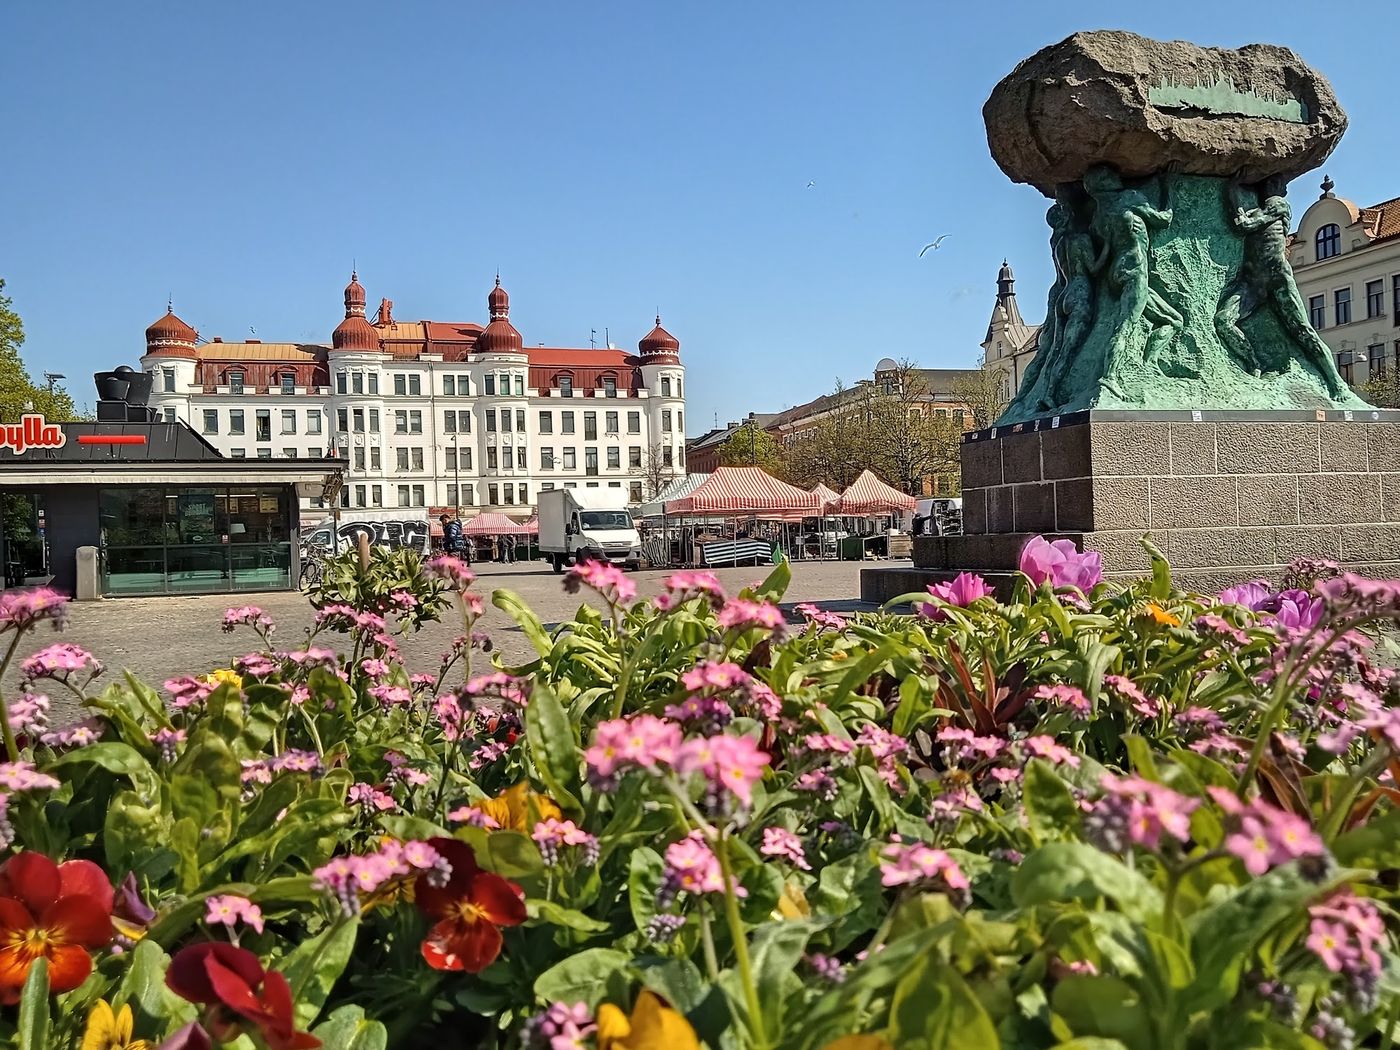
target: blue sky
610 159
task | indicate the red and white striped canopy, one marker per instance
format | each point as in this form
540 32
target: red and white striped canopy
531 527
831 499
745 490
869 495
490 523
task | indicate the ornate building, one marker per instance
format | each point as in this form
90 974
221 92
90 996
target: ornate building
1010 343
432 413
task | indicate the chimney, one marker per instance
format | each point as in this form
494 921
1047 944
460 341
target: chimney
218 339
386 312
250 341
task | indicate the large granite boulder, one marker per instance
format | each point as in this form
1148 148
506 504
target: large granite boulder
1144 106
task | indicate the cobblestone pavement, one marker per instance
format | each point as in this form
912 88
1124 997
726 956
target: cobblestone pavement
158 638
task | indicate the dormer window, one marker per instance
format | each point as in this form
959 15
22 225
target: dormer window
566 385
610 386
235 381
1328 241
289 383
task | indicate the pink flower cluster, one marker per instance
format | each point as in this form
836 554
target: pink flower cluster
691 867
390 696
254 665
313 656
261 770
740 614
607 579
248 616
450 570
561 1027
229 910
732 763
451 719
22 609
374 669
186 691
1264 836
401 772
1359 596
1067 696
1139 812
498 684
22 776
59 661
681 587
349 879
816 616
1061 565
1345 931
169 741
473 817
29 715
370 798
711 676
552 835
909 864
962 591
341 617
1126 691
88 731
779 842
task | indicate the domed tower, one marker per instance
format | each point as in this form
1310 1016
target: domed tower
355 333
500 336
171 337
663 376
172 360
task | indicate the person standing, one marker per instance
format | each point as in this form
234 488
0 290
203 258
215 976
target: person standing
453 539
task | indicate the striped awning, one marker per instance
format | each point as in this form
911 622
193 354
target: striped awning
869 495
745 490
490 523
531 527
831 499
682 486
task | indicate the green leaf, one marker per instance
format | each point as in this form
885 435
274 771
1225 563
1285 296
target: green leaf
1091 1042
581 977
879 794
1140 755
558 915
776 584
678 981
531 626
122 759
347 1029
1050 807
645 868
513 854
1161 570
553 747
1375 844
776 949
914 704
143 985
1068 871
316 964
34 1008
1103 1006
934 1007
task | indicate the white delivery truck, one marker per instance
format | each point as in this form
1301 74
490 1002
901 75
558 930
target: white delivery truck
576 524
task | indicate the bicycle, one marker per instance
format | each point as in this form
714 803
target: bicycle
313 566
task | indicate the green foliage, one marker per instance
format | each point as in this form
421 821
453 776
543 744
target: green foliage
17 388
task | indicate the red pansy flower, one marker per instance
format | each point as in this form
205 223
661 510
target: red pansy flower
55 912
470 909
232 980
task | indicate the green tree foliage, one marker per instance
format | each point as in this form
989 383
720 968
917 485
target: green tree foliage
750 446
17 389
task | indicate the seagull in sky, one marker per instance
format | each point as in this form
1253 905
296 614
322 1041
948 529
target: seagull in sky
935 245
811 183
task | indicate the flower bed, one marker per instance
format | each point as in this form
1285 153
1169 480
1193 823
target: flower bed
1089 818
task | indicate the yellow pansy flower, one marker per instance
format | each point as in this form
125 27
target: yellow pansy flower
107 1030
1160 616
793 903
224 676
652 1026
512 808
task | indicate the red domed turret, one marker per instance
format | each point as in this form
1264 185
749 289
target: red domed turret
659 346
355 333
171 337
500 336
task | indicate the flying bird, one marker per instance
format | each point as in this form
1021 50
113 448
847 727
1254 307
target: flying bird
811 183
935 245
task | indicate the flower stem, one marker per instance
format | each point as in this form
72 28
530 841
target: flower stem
11 748
741 945
707 940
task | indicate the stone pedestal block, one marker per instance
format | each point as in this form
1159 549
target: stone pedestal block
1225 496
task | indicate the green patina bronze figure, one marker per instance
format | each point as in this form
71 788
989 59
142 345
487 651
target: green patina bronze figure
1168 165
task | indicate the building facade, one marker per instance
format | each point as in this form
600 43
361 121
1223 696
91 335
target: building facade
1346 262
1010 344
432 414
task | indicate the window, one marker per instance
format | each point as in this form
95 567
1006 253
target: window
289 421
450 460
466 459
610 422
357 417
566 422
1328 241
417 458
211 420
493 492
590 461
359 457
1375 360
468 495
264 453
666 455
340 381
610 386
376 495
546 459
666 420
492 458
357 382
419 496
235 381
415 385
403 495
238 453
634 457
520 457
959 416
449 386
402 454
415 422
169 415
1317 311
1345 366
400 421
374 382
509 492
680 421
449 422
490 421
507 420
374 421
1395 300
168 380
1375 298
566 386
590 426
313 421
634 492
375 463
570 462
547 486
524 493
235 421
342 417
614 458
520 392
1341 302
634 422
678 386
665 386
452 496
520 420
546 422
490 381
400 383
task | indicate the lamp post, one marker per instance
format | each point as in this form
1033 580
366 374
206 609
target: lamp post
457 474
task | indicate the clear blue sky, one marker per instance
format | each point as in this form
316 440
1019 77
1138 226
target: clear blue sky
608 158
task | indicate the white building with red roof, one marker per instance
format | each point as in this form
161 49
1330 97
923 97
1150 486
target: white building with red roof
433 414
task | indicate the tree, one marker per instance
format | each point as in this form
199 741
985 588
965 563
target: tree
835 448
1384 390
907 444
750 446
18 393
654 472
986 393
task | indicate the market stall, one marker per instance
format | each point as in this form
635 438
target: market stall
869 497
733 494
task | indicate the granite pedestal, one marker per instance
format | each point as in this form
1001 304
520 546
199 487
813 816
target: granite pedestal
1226 496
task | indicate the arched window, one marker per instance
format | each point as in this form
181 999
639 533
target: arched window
1328 241
608 384
235 380
565 382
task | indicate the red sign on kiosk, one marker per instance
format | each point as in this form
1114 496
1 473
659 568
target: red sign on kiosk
32 431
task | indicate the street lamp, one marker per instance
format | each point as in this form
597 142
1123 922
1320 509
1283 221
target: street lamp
52 378
457 473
